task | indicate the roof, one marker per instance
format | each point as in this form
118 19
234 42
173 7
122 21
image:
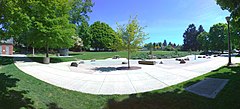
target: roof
7 41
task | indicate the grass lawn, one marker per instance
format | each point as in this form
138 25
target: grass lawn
104 55
18 90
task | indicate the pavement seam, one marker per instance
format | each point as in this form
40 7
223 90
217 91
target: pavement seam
102 84
157 79
132 83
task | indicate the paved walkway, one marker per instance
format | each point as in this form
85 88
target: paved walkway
95 78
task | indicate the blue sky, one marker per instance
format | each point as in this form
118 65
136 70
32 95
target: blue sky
165 19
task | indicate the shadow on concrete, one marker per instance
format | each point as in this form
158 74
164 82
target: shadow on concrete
105 69
177 98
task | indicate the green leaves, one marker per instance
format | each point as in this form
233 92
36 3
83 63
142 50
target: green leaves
203 39
103 36
218 36
132 34
79 10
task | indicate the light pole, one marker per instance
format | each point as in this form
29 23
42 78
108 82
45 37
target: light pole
229 42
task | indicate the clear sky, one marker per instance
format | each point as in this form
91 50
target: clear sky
165 19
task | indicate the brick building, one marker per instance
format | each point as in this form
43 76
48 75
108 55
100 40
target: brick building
6 47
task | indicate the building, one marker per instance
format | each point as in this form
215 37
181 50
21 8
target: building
6 47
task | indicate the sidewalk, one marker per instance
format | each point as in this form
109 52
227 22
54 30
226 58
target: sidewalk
148 78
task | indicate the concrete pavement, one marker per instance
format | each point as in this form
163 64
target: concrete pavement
85 78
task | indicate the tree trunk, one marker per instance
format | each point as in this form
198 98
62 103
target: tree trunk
46 60
33 51
47 50
128 52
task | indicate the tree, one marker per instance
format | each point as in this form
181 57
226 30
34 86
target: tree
203 39
235 37
85 35
190 38
79 10
200 29
174 45
164 43
218 37
103 36
170 44
13 18
234 8
160 45
132 35
50 24
154 46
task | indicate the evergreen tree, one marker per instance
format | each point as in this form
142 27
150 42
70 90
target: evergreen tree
170 44
154 46
164 43
190 38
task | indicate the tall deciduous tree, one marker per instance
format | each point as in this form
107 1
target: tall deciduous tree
203 39
233 6
50 24
132 35
13 18
79 10
103 36
218 37
85 35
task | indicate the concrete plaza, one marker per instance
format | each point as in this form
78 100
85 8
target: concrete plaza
104 79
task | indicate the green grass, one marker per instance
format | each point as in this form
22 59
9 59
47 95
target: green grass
18 89
104 55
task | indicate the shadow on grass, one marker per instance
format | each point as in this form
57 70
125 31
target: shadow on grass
6 60
10 98
176 97
53 106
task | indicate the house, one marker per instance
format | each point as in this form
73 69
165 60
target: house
6 47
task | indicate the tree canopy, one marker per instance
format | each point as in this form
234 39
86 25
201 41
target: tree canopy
13 18
132 35
218 37
43 24
103 36
203 39
79 10
190 37
233 6
85 35
50 24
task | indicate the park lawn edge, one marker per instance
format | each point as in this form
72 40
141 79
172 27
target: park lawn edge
44 94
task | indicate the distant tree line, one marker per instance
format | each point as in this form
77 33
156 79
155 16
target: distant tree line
162 46
217 37
215 40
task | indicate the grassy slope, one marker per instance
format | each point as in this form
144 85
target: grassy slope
18 89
